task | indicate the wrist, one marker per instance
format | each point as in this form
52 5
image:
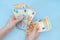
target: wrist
2 33
30 39
9 27
6 29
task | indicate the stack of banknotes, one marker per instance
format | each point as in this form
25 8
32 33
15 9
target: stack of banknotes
22 10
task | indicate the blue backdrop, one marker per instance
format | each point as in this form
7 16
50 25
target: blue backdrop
50 8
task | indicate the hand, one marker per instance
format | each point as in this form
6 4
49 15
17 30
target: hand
10 25
34 34
12 22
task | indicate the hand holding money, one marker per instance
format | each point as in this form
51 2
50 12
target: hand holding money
9 26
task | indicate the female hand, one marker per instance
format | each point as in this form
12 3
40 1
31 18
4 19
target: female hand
34 34
10 25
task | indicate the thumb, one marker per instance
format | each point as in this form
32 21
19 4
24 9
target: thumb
19 19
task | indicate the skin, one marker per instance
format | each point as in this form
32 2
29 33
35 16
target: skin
10 25
34 34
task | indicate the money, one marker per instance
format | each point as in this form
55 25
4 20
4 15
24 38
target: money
43 24
27 13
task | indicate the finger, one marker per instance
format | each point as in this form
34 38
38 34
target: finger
18 20
34 30
34 23
13 16
37 34
35 27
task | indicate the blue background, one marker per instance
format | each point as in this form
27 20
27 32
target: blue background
50 8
